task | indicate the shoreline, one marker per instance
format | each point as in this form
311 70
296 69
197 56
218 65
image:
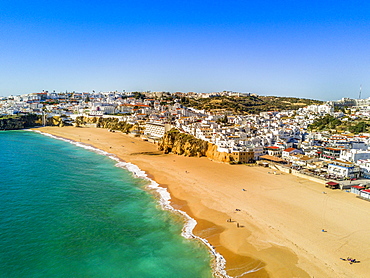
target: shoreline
279 233
163 198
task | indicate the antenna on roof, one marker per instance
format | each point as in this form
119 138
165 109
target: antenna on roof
359 95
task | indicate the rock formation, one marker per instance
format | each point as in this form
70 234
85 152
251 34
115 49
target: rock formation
108 123
184 144
55 121
19 121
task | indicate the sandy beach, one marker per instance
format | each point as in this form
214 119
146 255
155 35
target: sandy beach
264 224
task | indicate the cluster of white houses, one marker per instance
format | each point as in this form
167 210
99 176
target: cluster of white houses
280 137
270 137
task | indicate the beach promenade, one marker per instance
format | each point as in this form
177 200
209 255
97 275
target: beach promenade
264 224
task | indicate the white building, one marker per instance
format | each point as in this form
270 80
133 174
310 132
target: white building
156 129
354 155
320 109
289 152
364 165
343 169
365 194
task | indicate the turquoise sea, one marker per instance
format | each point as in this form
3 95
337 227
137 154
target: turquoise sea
70 212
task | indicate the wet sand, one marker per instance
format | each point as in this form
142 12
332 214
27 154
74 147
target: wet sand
280 217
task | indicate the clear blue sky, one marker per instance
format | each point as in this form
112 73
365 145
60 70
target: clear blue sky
311 49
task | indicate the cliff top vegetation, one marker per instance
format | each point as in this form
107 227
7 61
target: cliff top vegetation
248 104
344 124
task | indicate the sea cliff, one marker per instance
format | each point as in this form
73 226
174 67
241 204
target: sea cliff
184 144
19 122
109 123
15 122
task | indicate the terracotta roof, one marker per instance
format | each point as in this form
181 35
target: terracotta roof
333 149
289 149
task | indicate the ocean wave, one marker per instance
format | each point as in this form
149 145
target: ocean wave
164 201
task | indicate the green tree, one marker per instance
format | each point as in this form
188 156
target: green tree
359 127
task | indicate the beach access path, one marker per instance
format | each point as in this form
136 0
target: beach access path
265 224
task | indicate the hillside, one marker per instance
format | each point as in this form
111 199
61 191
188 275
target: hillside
249 104
344 124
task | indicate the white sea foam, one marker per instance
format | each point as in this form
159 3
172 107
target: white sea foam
250 271
164 201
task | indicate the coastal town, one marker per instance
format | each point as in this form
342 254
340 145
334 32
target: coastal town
185 139
284 140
